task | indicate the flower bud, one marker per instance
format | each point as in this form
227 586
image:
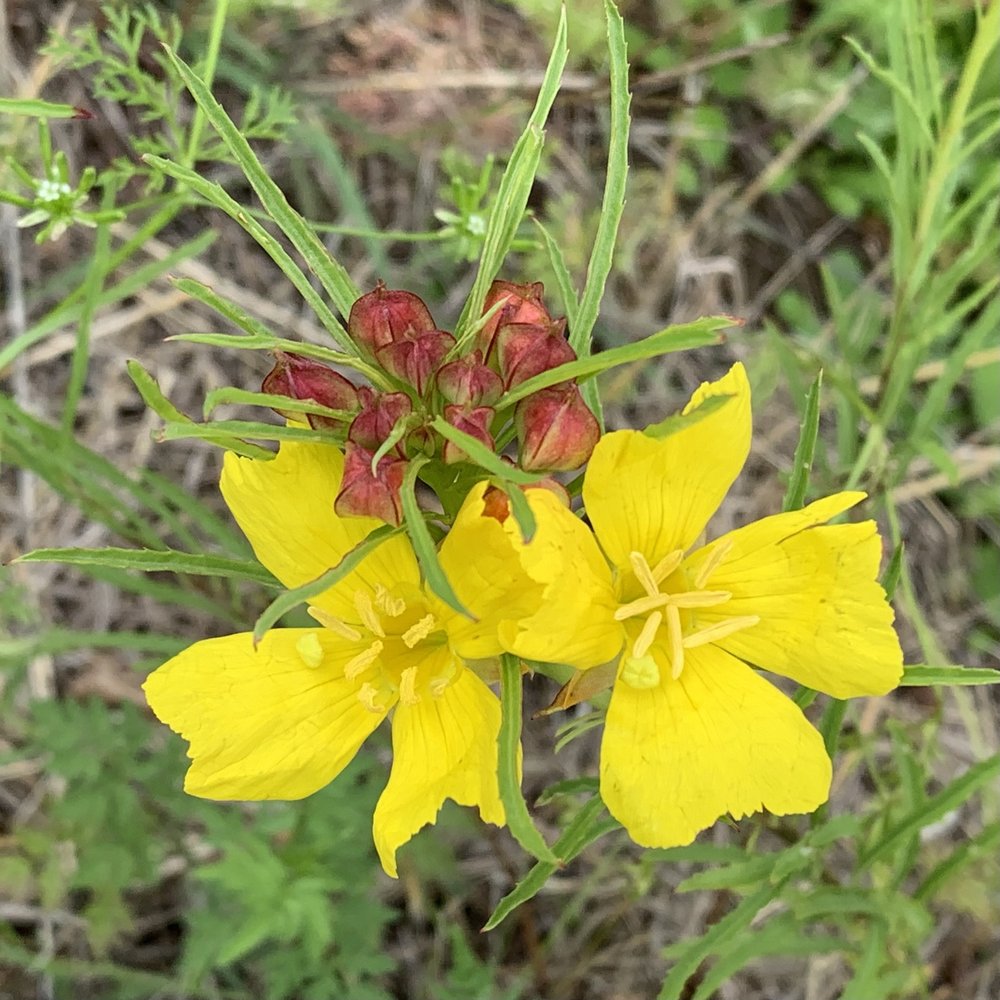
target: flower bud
415 361
475 421
385 315
522 304
303 378
468 380
380 412
525 350
555 429
365 495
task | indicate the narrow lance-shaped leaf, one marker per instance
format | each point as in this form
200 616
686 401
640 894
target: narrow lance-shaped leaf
952 675
219 432
806 448
228 394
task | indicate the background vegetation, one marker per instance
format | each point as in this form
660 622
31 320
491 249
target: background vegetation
827 172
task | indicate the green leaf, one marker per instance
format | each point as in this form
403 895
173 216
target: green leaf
521 509
953 675
219 432
563 280
291 599
230 394
806 448
332 276
679 421
155 561
509 741
482 455
423 544
39 109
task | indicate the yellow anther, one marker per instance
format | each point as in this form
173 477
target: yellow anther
667 565
357 665
341 628
676 637
645 638
387 604
700 598
419 631
642 572
720 630
711 564
642 606
366 612
640 672
408 687
309 649
369 697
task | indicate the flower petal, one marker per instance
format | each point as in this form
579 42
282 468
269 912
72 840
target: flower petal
480 559
262 724
443 748
719 739
655 495
824 619
285 508
574 621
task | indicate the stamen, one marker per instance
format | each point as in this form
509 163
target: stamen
641 673
366 612
369 697
642 606
711 564
408 687
720 630
667 565
700 598
419 631
357 665
334 624
387 604
309 649
676 641
642 572
645 638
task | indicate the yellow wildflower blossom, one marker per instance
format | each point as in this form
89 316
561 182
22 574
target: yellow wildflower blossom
284 719
692 731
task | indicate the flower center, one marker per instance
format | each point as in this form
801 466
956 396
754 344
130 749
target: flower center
670 601
400 650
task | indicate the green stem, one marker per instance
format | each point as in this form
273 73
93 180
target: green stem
208 74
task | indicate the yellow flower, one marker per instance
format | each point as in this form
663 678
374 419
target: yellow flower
282 721
692 731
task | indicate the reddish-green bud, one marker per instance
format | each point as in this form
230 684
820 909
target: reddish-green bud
475 421
303 378
521 304
555 429
380 412
468 380
385 315
526 350
415 361
365 495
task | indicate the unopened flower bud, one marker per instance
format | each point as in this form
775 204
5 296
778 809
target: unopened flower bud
365 495
303 378
475 421
525 350
380 413
385 315
416 361
468 380
522 304
556 429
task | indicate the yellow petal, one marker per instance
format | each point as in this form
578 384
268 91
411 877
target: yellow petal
480 559
654 496
719 739
824 619
276 723
574 621
285 508
443 748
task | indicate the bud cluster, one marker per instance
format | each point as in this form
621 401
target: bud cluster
556 431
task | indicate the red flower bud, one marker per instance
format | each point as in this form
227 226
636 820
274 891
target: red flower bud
415 361
475 421
303 378
522 304
556 429
526 350
365 495
468 380
380 412
385 315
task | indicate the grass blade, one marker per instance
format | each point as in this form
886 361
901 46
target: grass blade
952 675
806 448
